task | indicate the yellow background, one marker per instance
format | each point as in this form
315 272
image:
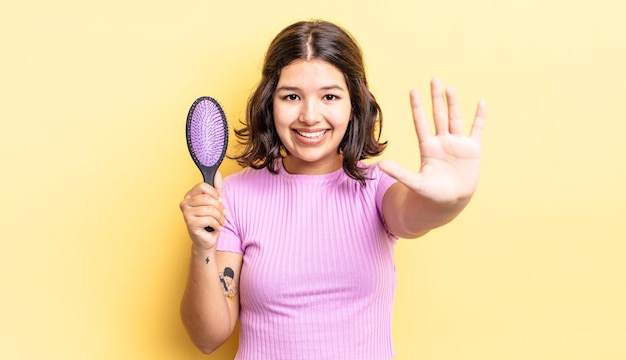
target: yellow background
93 163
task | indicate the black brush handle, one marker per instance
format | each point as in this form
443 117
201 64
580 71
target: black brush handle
208 174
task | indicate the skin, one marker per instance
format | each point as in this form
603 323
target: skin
312 110
207 311
449 170
311 113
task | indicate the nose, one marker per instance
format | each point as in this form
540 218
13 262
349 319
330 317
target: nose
310 112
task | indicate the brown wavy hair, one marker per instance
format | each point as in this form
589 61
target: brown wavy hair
308 40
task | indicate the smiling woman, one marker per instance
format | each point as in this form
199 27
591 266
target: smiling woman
311 114
324 212
326 46
94 255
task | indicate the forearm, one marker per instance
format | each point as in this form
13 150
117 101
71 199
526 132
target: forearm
204 308
416 215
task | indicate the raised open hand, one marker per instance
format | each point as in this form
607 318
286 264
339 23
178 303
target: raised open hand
450 161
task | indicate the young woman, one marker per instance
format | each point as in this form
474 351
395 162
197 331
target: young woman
302 252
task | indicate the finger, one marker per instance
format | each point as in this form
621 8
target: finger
419 117
202 200
455 124
192 192
479 122
440 113
397 172
218 182
199 217
201 188
200 225
218 186
215 215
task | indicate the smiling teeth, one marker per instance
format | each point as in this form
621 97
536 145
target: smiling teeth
311 135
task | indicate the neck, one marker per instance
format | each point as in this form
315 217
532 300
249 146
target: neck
301 167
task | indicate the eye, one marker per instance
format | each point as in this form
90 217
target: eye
330 97
291 97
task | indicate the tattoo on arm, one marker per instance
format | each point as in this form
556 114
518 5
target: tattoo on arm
230 287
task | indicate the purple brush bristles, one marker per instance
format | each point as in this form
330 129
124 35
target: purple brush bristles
207 136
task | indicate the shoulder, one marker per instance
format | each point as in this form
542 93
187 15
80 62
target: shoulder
249 182
379 181
245 176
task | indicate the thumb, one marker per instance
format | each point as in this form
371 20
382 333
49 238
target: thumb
397 171
217 181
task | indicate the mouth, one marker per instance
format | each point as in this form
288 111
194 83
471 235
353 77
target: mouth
312 135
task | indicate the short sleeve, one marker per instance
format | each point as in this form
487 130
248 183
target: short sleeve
230 239
383 183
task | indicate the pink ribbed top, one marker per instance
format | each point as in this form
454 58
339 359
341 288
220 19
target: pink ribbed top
318 276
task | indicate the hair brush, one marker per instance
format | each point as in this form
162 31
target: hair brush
207 137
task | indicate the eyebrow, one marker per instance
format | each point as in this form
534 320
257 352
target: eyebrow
295 88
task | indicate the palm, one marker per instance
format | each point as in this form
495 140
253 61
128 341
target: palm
449 170
450 161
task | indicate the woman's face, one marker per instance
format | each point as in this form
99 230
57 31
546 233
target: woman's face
311 114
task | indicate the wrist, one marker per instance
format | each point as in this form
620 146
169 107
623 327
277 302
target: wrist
203 252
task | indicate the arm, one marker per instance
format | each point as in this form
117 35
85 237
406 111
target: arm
210 304
449 171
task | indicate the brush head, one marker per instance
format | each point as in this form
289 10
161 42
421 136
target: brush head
207 135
